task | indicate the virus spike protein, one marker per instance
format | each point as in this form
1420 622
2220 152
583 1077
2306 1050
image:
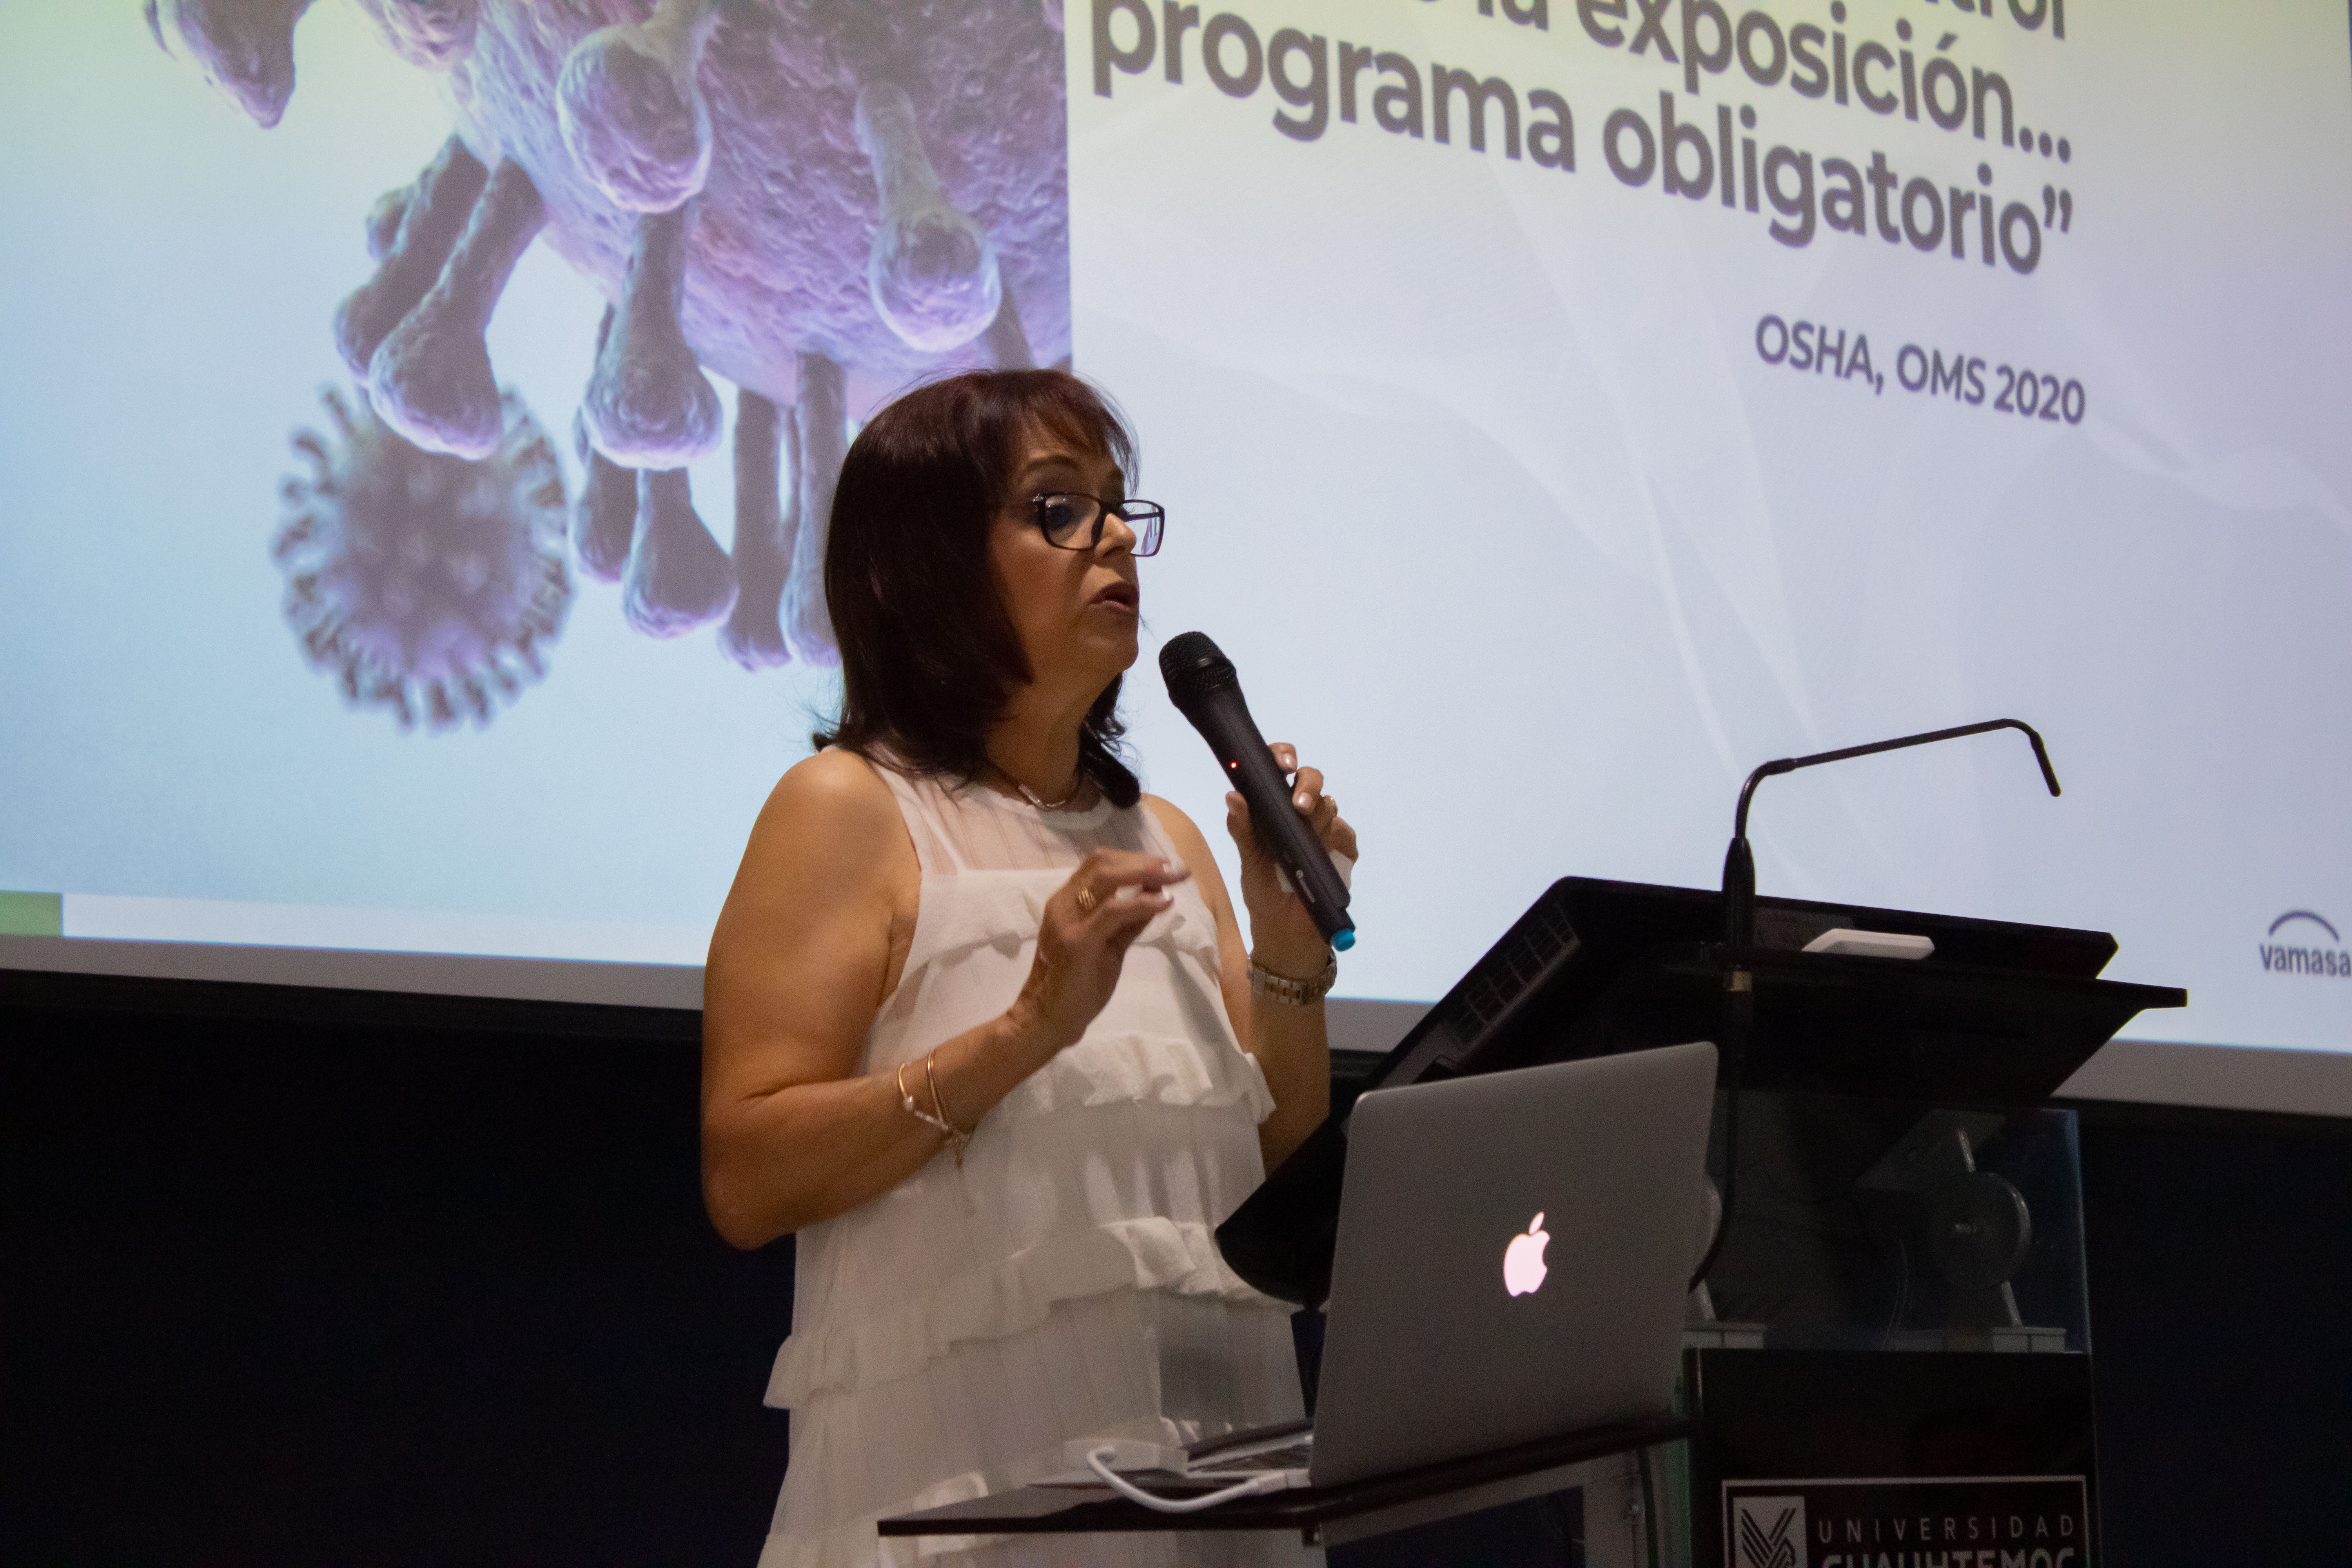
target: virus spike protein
931 272
431 379
678 577
753 635
823 413
648 404
244 47
632 117
605 524
428 219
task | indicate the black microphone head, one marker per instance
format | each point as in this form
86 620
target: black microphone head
1193 667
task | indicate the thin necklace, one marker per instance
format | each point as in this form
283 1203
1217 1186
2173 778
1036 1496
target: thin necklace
1031 796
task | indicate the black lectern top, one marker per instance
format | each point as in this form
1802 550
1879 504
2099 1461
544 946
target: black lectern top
1998 1017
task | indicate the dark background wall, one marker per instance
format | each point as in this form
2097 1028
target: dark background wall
298 1276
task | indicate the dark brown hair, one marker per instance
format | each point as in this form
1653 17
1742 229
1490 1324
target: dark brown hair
928 652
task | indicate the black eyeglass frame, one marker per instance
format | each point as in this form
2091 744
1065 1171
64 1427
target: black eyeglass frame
1147 527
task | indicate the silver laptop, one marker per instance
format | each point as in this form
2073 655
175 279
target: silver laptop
1513 1257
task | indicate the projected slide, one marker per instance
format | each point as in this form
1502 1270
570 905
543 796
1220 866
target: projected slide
420 419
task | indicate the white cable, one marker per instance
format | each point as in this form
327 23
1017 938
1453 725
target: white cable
1256 1486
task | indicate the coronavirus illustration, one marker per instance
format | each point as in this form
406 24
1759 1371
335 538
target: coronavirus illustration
817 200
425 583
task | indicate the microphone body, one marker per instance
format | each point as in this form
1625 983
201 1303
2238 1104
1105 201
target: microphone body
1203 685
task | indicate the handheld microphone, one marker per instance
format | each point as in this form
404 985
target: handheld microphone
1203 685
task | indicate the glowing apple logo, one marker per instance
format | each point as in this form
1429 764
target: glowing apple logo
1523 1260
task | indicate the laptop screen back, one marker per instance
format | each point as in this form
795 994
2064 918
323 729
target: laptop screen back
1457 1325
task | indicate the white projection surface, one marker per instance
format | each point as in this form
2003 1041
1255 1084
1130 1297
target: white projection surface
1560 405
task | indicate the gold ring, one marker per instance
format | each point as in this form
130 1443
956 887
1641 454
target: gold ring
1087 900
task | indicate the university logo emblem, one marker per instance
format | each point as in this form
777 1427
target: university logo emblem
1768 1533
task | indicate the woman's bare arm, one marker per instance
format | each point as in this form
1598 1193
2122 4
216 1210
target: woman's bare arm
812 933
1289 1042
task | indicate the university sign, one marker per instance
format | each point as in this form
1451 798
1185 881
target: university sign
1909 1522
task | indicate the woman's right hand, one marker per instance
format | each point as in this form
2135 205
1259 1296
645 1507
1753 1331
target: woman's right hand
1082 942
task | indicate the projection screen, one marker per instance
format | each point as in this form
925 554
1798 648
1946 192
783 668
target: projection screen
419 417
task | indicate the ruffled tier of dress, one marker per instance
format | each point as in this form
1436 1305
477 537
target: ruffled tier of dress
997 1414
1004 1299
1080 1210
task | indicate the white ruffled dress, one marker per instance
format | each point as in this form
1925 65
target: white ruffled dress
950 1336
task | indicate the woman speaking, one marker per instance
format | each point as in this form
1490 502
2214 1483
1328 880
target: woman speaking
979 1025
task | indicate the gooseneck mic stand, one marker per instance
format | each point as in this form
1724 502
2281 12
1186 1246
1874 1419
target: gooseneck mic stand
1739 935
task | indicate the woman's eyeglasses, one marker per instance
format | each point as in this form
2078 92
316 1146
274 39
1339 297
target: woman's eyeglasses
1071 522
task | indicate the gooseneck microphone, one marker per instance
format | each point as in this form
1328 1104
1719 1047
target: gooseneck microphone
1739 1019
1739 862
1203 685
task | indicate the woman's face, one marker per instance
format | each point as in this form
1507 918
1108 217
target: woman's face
1077 611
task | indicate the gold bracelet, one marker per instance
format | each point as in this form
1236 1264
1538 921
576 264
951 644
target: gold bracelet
958 1138
906 1101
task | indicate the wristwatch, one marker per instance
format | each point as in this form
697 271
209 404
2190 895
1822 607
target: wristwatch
1265 983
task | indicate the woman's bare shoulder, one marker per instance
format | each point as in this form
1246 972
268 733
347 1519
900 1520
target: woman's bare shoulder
830 816
1175 821
834 782
1187 838
1191 847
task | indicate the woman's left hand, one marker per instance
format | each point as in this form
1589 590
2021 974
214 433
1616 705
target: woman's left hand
1283 936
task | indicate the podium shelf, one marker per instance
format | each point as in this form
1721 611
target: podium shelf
1325 1516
